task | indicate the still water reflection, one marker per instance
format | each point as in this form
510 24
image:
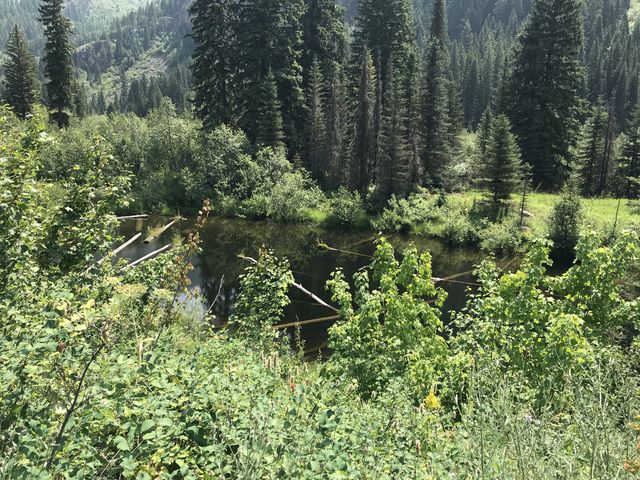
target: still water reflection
218 267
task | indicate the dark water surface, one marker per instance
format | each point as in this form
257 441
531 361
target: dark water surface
218 267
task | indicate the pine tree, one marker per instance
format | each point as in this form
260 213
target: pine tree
629 162
324 35
57 59
21 83
214 67
410 100
545 86
500 169
393 166
269 123
386 27
270 40
591 151
317 142
335 129
435 111
363 148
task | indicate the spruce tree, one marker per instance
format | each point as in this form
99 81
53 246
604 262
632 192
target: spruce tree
57 59
270 42
363 147
324 35
269 123
629 162
214 67
386 27
545 87
411 103
435 111
335 129
393 165
500 173
21 88
591 151
317 141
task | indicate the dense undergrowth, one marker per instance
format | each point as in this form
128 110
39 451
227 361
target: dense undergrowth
115 372
175 166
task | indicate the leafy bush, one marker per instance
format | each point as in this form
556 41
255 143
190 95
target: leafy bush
564 223
347 210
293 196
502 237
393 331
402 214
531 324
457 229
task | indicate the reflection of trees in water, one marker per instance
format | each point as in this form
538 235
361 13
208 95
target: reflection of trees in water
218 266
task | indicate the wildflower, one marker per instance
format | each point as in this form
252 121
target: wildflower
432 402
292 386
528 419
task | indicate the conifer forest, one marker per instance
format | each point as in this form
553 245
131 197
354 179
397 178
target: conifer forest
320 239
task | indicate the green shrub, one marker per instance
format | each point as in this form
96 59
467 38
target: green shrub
564 223
390 332
347 210
457 229
403 214
502 237
293 196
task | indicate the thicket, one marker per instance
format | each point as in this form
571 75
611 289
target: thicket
115 372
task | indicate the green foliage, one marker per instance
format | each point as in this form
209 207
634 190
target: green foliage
293 196
565 221
402 214
347 210
263 295
502 237
391 331
532 325
22 90
458 229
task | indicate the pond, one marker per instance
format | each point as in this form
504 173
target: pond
218 267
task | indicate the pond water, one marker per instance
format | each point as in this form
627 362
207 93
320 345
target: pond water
218 267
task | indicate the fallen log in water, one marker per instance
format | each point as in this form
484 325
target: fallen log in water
299 287
133 217
114 252
148 257
313 321
156 233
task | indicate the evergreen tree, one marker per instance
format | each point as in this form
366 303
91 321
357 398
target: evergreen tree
500 168
79 100
57 59
269 123
546 82
324 34
393 166
629 162
435 111
591 151
363 148
21 90
317 142
335 130
386 27
410 100
214 67
269 42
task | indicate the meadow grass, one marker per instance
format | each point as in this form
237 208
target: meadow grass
599 213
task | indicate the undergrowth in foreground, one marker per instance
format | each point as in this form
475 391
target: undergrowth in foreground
110 372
